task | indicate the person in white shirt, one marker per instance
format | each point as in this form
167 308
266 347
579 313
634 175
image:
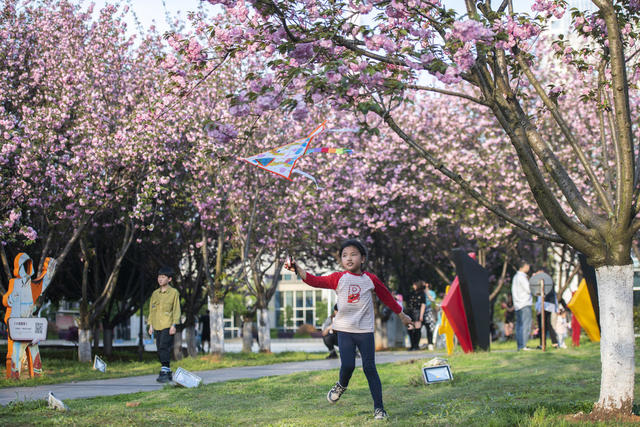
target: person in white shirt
522 301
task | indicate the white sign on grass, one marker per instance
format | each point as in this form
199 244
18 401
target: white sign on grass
99 364
186 378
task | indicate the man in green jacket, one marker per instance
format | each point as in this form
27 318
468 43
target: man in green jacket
164 314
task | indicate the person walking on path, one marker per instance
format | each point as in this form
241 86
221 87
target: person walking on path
522 301
354 321
164 315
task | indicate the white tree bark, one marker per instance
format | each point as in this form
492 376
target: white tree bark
247 336
264 332
216 322
177 346
380 334
615 294
84 345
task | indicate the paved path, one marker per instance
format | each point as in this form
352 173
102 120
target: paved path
231 345
83 389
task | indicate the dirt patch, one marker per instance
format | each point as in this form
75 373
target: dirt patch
607 416
211 358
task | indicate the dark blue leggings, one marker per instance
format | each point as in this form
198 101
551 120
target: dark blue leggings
347 343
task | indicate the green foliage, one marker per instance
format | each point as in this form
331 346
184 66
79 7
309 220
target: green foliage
288 310
234 303
321 311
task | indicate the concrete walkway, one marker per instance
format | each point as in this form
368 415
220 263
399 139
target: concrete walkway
84 389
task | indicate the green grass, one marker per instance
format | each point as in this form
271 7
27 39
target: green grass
61 366
495 389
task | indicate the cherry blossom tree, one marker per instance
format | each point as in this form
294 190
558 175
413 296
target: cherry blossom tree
370 57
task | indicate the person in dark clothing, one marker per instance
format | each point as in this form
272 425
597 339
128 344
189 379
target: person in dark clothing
430 314
415 307
328 336
509 317
550 306
205 333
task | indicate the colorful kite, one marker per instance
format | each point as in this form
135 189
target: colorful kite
282 160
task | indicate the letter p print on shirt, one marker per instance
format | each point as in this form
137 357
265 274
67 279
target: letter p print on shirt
353 295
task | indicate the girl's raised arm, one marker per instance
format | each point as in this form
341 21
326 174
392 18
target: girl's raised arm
291 265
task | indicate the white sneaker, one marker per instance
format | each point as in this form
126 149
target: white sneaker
334 394
430 347
380 414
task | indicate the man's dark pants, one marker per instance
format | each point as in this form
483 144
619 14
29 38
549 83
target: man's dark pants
164 344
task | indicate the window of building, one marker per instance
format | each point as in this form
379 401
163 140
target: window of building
300 306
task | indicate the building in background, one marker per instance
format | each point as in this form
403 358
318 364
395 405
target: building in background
296 303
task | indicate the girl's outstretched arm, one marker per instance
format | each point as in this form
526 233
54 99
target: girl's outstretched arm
291 265
324 282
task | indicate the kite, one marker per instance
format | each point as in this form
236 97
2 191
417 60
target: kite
282 160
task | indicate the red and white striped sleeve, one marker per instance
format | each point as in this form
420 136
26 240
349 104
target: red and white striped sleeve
324 282
384 294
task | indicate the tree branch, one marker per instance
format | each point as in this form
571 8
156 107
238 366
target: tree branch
566 131
351 45
501 280
601 121
515 123
5 266
620 87
449 92
457 178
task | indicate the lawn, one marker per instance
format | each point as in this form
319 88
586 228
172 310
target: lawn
496 388
62 366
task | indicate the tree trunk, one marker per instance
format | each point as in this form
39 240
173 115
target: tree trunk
107 340
177 346
264 332
615 293
216 321
247 336
190 332
395 332
96 338
84 345
381 337
84 332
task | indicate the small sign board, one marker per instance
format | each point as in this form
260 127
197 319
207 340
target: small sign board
436 374
99 364
537 279
28 328
186 378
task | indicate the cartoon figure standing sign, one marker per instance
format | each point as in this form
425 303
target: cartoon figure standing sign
25 330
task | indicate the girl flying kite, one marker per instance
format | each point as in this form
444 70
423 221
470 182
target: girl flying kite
355 320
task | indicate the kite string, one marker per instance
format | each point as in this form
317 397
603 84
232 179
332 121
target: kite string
299 172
